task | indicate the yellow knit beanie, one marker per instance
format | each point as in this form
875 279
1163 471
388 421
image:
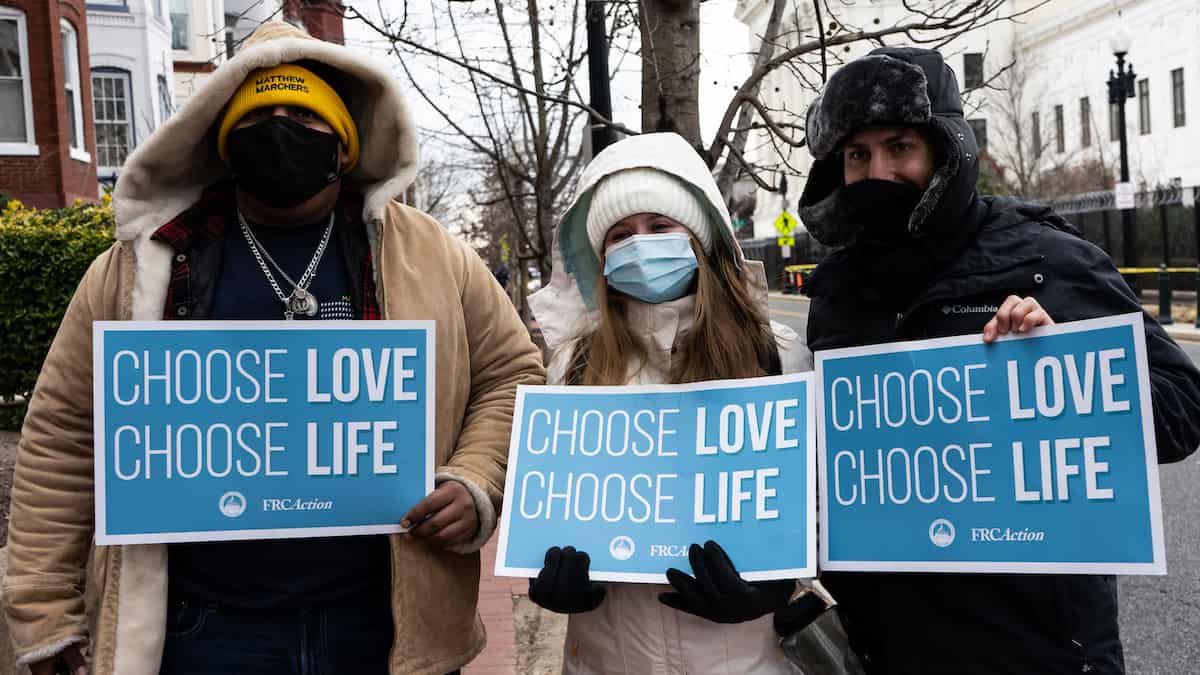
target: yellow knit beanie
289 84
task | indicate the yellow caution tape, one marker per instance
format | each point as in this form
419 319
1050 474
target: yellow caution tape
1153 270
1122 270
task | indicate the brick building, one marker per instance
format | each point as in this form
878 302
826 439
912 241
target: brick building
47 139
148 57
321 18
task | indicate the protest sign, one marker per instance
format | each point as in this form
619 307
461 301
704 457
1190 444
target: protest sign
633 475
1032 454
220 430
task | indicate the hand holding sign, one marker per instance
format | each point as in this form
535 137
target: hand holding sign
718 593
1020 315
447 517
564 585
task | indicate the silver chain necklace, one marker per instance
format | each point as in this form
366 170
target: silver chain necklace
299 301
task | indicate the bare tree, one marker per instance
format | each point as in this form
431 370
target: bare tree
1022 150
1030 167
505 78
670 51
505 105
804 37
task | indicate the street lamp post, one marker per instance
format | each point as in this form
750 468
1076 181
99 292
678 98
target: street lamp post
1120 88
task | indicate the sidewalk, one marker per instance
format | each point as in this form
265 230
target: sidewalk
496 609
1180 330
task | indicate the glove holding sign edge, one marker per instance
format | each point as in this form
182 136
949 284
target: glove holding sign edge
718 593
564 585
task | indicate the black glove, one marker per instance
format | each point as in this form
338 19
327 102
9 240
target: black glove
563 585
718 593
796 616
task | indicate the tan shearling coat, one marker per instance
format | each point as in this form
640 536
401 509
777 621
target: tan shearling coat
61 589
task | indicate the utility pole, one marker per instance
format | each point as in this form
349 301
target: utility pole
599 92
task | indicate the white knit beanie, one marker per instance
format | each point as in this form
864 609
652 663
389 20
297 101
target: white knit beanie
644 190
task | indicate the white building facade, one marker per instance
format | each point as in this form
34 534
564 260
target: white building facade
204 33
148 56
129 43
1063 49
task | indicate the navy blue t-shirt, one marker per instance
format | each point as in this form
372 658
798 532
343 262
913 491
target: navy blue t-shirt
282 573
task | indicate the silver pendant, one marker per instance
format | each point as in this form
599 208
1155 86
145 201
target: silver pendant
302 302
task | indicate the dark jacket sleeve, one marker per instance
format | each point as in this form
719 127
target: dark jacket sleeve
1084 284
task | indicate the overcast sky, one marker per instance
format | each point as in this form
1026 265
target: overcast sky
724 62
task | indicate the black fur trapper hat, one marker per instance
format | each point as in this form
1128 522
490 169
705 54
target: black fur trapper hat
891 86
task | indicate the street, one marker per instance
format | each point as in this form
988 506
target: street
1160 616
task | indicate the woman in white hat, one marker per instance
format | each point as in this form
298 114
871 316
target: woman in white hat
650 287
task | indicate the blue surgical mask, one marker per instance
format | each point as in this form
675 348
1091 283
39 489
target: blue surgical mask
653 268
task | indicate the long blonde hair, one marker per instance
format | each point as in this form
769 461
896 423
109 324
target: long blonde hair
730 335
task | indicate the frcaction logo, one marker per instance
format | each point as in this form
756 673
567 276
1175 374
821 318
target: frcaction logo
621 547
1006 534
668 550
941 532
296 504
232 504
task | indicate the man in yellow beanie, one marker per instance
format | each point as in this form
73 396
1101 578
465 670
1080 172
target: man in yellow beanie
271 196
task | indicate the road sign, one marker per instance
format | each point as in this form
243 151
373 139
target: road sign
1124 196
786 240
785 224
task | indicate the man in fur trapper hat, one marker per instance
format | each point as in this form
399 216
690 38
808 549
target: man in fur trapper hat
271 196
920 254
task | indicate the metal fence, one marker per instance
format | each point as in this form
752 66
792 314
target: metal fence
1162 223
1096 216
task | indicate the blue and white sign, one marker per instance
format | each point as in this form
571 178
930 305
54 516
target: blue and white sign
220 430
1034 454
633 475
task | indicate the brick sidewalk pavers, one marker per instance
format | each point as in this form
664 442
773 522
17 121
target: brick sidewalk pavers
496 608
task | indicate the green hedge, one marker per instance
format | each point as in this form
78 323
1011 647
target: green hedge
43 255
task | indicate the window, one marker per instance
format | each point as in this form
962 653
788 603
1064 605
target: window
165 106
181 29
1085 122
70 52
1114 121
979 128
1143 93
114 121
1037 135
972 70
16 109
1180 113
1060 139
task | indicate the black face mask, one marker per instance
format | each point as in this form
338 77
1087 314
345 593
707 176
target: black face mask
873 212
281 162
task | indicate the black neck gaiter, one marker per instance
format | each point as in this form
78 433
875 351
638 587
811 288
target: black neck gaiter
896 263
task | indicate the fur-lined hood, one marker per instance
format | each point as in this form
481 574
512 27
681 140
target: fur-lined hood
893 85
167 173
565 308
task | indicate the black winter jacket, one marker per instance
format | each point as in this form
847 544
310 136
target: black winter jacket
971 623
993 623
